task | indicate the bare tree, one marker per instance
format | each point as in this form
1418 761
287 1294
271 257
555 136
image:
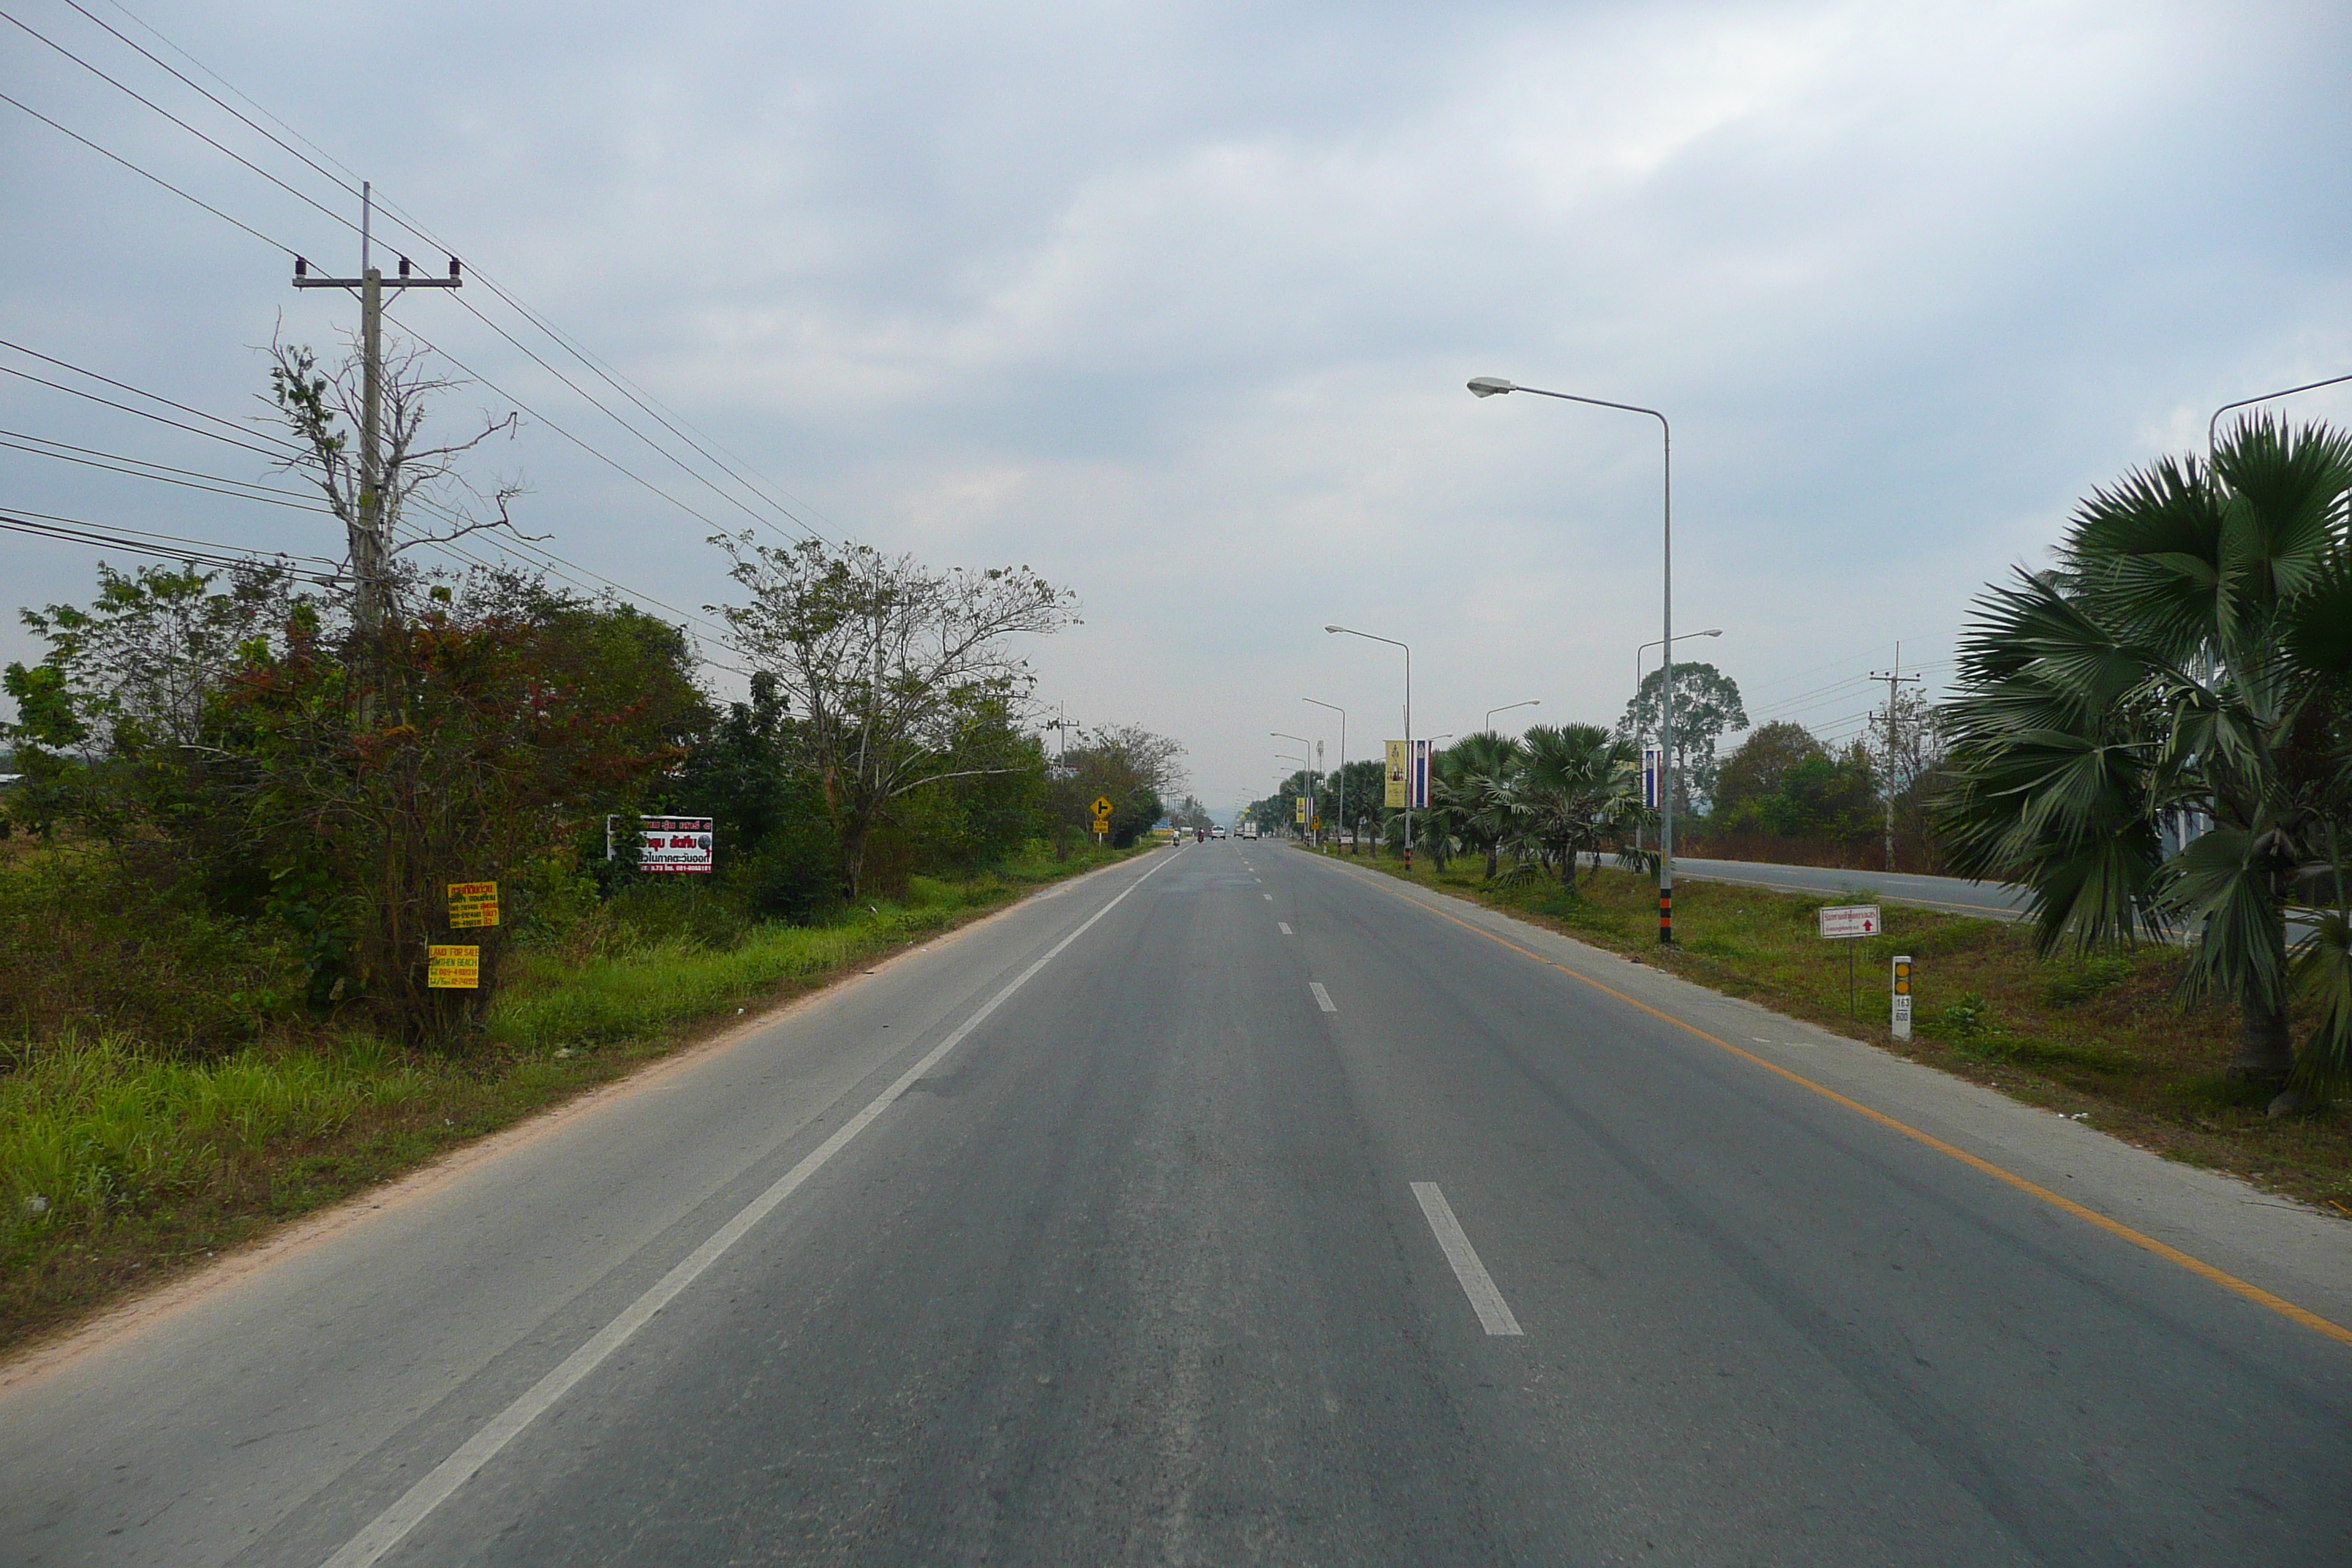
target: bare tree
885 659
323 408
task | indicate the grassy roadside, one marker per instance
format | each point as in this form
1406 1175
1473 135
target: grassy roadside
2101 1039
122 1165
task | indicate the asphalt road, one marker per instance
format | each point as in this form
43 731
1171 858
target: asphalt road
1234 1205
1997 900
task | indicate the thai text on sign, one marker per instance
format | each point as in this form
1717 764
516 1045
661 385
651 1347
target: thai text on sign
1851 921
453 967
674 844
473 904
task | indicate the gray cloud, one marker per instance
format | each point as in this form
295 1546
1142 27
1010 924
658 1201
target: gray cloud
1175 304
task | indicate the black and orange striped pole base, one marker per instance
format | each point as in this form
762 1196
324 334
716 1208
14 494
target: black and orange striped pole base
1665 916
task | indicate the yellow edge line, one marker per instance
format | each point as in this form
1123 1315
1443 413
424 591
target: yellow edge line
2196 1266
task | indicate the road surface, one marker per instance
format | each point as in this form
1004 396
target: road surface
1235 1205
1993 900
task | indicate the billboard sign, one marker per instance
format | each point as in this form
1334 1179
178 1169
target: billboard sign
1396 772
669 844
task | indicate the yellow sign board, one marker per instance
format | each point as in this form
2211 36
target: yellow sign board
1298 810
452 968
473 904
1102 805
1396 774
1317 825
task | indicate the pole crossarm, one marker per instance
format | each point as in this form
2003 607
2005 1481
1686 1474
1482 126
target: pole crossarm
301 282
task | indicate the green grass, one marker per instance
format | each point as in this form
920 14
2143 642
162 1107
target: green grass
2103 1037
122 1160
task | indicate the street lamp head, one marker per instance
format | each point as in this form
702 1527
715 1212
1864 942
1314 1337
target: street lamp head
1335 628
1488 385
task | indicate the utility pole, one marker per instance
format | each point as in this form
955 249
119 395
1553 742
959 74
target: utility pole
369 530
1896 679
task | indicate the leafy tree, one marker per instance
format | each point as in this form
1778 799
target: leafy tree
1707 707
773 838
1128 765
885 661
1754 772
2192 651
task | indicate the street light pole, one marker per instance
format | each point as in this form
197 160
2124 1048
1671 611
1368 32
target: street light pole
2266 397
1304 767
1488 387
1506 708
1311 771
1375 637
1342 712
1710 632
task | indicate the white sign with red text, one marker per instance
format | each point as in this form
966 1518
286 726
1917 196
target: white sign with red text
1851 921
673 844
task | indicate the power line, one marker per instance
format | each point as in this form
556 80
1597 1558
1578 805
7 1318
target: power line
619 383
162 65
65 528
203 552
597 453
115 462
420 233
142 173
532 552
290 190
616 419
242 430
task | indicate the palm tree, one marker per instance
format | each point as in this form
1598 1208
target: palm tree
1483 780
2191 653
1576 792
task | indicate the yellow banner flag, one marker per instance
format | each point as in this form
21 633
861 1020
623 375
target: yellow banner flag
1396 774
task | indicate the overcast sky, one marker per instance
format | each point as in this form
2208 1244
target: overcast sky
1175 304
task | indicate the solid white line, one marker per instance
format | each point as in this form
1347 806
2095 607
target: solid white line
1476 1283
392 1525
1285 927
1322 997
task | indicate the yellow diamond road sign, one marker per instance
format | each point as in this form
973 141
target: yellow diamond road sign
1102 805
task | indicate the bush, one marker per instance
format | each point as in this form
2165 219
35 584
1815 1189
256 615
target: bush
91 946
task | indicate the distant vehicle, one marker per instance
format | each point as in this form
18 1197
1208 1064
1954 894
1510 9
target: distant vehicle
1249 830
1216 833
1200 835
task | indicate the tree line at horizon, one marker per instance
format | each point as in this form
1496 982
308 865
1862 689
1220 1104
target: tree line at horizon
2152 735
248 755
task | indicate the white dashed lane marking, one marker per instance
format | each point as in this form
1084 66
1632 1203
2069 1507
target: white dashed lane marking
1494 1312
1322 997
